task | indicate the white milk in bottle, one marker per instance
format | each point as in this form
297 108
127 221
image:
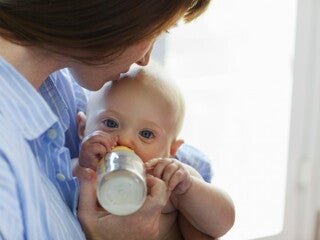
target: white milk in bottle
121 185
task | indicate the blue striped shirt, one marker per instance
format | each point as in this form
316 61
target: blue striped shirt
38 195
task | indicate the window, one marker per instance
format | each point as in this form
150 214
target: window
235 65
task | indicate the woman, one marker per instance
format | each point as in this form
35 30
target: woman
97 41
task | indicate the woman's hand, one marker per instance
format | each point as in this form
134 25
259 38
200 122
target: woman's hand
99 224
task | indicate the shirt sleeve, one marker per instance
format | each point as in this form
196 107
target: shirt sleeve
196 159
10 220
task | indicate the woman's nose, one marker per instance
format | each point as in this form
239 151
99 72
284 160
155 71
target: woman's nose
145 60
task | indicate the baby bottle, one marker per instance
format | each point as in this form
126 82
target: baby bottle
121 185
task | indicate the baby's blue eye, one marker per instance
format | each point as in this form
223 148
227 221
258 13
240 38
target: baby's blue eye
146 134
111 123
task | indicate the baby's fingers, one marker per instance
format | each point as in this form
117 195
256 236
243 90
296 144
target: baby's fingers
171 171
103 138
157 166
172 175
179 182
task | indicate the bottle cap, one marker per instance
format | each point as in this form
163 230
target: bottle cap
122 148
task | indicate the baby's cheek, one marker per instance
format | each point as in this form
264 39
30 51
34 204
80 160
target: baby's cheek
145 158
146 154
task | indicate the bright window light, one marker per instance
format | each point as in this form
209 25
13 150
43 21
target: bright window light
234 65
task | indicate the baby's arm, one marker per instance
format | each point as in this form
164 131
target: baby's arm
202 205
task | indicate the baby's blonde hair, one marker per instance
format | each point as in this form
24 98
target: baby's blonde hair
154 78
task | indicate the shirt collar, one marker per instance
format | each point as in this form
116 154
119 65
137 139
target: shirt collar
22 104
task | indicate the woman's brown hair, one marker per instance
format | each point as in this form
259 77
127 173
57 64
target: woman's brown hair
100 28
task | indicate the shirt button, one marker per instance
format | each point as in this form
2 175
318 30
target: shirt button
60 177
52 133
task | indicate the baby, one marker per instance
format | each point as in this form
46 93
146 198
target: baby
144 111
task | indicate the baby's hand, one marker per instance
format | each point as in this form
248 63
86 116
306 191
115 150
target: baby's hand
94 147
174 173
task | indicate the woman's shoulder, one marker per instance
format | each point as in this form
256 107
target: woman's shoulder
62 83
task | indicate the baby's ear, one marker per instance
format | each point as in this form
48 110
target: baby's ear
174 147
81 119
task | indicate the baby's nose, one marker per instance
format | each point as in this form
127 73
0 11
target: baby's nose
126 141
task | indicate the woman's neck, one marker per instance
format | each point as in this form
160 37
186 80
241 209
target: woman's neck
34 64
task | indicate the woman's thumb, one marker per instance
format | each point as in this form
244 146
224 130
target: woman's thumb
87 197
